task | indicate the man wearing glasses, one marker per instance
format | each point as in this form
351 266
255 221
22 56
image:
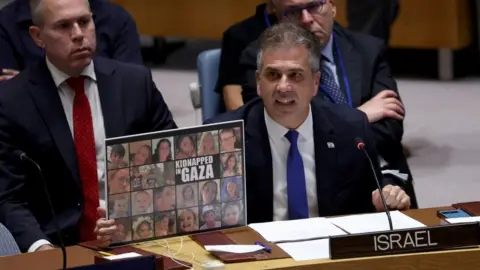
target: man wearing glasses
354 71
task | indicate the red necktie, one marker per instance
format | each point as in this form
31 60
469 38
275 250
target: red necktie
87 157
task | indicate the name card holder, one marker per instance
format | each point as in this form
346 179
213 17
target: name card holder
405 241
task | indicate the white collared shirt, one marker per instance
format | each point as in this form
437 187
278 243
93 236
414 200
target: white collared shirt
280 146
66 96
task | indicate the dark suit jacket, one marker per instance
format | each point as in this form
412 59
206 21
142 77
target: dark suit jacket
117 35
344 177
32 119
367 72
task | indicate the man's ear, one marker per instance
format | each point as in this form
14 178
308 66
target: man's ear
35 35
334 8
316 79
257 79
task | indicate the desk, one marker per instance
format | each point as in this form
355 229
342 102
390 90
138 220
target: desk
48 260
461 259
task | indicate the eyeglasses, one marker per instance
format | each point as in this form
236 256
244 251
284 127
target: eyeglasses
295 13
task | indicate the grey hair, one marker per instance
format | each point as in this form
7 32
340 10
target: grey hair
36 11
287 35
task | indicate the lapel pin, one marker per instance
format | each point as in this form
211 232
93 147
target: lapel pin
330 145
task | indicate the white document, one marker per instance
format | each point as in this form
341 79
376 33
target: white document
463 220
375 222
123 256
234 248
296 230
396 173
307 250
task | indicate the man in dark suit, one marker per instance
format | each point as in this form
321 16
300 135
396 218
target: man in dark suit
301 157
59 112
117 36
355 73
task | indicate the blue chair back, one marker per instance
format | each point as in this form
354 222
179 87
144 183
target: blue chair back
208 63
8 246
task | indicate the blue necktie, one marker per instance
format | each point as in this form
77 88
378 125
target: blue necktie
296 187
328 83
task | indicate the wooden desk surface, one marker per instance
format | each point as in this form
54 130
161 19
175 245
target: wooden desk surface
189 251
48 260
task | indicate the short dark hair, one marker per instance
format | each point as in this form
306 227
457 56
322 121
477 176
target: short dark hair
285 35
119 150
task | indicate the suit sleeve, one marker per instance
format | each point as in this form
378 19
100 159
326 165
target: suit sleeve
7 55
14 212
127 46
159 115
387 132
230 72
372 152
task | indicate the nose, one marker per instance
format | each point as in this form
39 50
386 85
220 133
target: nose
307 18
283 85
77 33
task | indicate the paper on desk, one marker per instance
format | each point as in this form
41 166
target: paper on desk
122 256
234 248
296 230
307 250
463 220
375 222
396 173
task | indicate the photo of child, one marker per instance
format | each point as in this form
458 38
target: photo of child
187 195
209 192
230 140
142 227
117 156
119 206
162 150
167 174
164 224
151 175
188 220
211 217
142 202
164 198
124 230
207 143
231 189
140 153
231 164
118 181
232 213
185 146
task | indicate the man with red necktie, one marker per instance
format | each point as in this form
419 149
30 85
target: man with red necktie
59 112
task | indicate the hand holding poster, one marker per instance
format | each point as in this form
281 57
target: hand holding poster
176 182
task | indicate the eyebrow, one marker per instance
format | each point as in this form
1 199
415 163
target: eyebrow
269 69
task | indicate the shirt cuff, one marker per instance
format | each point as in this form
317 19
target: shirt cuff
38 244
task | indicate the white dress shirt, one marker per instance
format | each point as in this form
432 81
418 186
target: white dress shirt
280 146
66 96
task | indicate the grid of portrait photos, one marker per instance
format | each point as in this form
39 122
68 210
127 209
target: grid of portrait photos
176 182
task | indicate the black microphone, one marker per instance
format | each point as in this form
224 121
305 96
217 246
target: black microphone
361 146
24 157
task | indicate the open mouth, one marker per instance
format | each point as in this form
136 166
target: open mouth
285 102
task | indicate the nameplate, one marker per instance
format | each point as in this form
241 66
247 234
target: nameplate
405 241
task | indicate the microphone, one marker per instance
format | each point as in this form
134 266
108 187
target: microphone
361 146
24 157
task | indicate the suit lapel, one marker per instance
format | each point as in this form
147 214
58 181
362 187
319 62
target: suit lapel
110 93
259 162
325 160
352 63
45 95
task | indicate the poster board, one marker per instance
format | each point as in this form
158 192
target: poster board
176 182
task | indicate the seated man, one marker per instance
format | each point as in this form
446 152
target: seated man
117 36
354 71
59 112
301 155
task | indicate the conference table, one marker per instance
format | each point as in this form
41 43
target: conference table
187 250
